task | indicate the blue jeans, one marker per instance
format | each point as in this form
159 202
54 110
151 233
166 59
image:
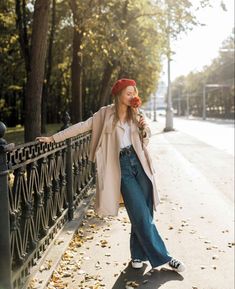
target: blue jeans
137 192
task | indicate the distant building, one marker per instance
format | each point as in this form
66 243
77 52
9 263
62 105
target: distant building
160 98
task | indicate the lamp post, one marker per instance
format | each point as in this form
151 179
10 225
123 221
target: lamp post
169 109
179 104
187 104
155 107
180 94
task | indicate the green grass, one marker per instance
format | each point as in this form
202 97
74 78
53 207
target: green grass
16 134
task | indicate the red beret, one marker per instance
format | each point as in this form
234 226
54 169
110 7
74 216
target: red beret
122 83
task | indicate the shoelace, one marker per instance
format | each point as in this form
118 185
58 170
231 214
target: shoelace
175 263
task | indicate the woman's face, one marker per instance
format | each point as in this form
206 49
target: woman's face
127 94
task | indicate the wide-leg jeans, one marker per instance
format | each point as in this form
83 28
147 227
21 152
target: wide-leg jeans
146 243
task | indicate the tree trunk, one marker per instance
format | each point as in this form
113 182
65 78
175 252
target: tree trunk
76 67
76 76
21 24
35 80
47 85
104 90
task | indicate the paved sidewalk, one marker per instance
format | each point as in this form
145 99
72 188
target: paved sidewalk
195 219
98 257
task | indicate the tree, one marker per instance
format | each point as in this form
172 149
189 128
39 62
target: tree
220 99
50 55
33 93
22 26
90 44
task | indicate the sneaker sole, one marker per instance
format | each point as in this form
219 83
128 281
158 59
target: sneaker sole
136 266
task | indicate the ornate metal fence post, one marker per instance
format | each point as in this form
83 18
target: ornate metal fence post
69 179
5 246
69 168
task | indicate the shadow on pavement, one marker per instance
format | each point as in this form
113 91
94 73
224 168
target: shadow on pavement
155 280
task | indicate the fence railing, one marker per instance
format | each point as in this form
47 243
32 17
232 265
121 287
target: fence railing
41 184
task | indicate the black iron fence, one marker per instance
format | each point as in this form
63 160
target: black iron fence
41 184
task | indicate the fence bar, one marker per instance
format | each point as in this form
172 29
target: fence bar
69 167
5 247
69 179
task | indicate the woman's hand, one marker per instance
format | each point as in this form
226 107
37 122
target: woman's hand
46 139
142 122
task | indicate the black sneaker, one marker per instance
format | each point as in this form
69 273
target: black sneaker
176 265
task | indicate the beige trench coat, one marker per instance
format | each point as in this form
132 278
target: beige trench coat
104 150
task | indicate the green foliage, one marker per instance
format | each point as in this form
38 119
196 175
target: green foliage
220 100
128 35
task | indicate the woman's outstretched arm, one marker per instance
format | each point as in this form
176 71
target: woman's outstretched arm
71 131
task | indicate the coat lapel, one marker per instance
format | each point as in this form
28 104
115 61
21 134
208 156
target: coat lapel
119 130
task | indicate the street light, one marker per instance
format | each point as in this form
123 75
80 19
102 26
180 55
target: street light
179 99
187 104
154 107
169 109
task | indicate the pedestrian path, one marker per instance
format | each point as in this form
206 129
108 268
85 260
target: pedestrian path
195 220
98 257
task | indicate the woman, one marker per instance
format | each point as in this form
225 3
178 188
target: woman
124 167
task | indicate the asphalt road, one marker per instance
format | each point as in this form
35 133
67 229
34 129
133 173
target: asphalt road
196 181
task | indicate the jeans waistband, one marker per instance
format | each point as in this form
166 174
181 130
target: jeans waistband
127 150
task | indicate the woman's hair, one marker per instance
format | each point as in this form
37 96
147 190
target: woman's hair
131 113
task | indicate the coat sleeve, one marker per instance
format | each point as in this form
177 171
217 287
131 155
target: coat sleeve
73 130
79 127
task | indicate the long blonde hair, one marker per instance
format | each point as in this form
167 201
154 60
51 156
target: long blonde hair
131 112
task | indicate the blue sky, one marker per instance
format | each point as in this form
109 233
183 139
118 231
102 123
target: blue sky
199 46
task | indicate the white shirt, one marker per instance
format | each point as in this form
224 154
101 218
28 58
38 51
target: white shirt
126 140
